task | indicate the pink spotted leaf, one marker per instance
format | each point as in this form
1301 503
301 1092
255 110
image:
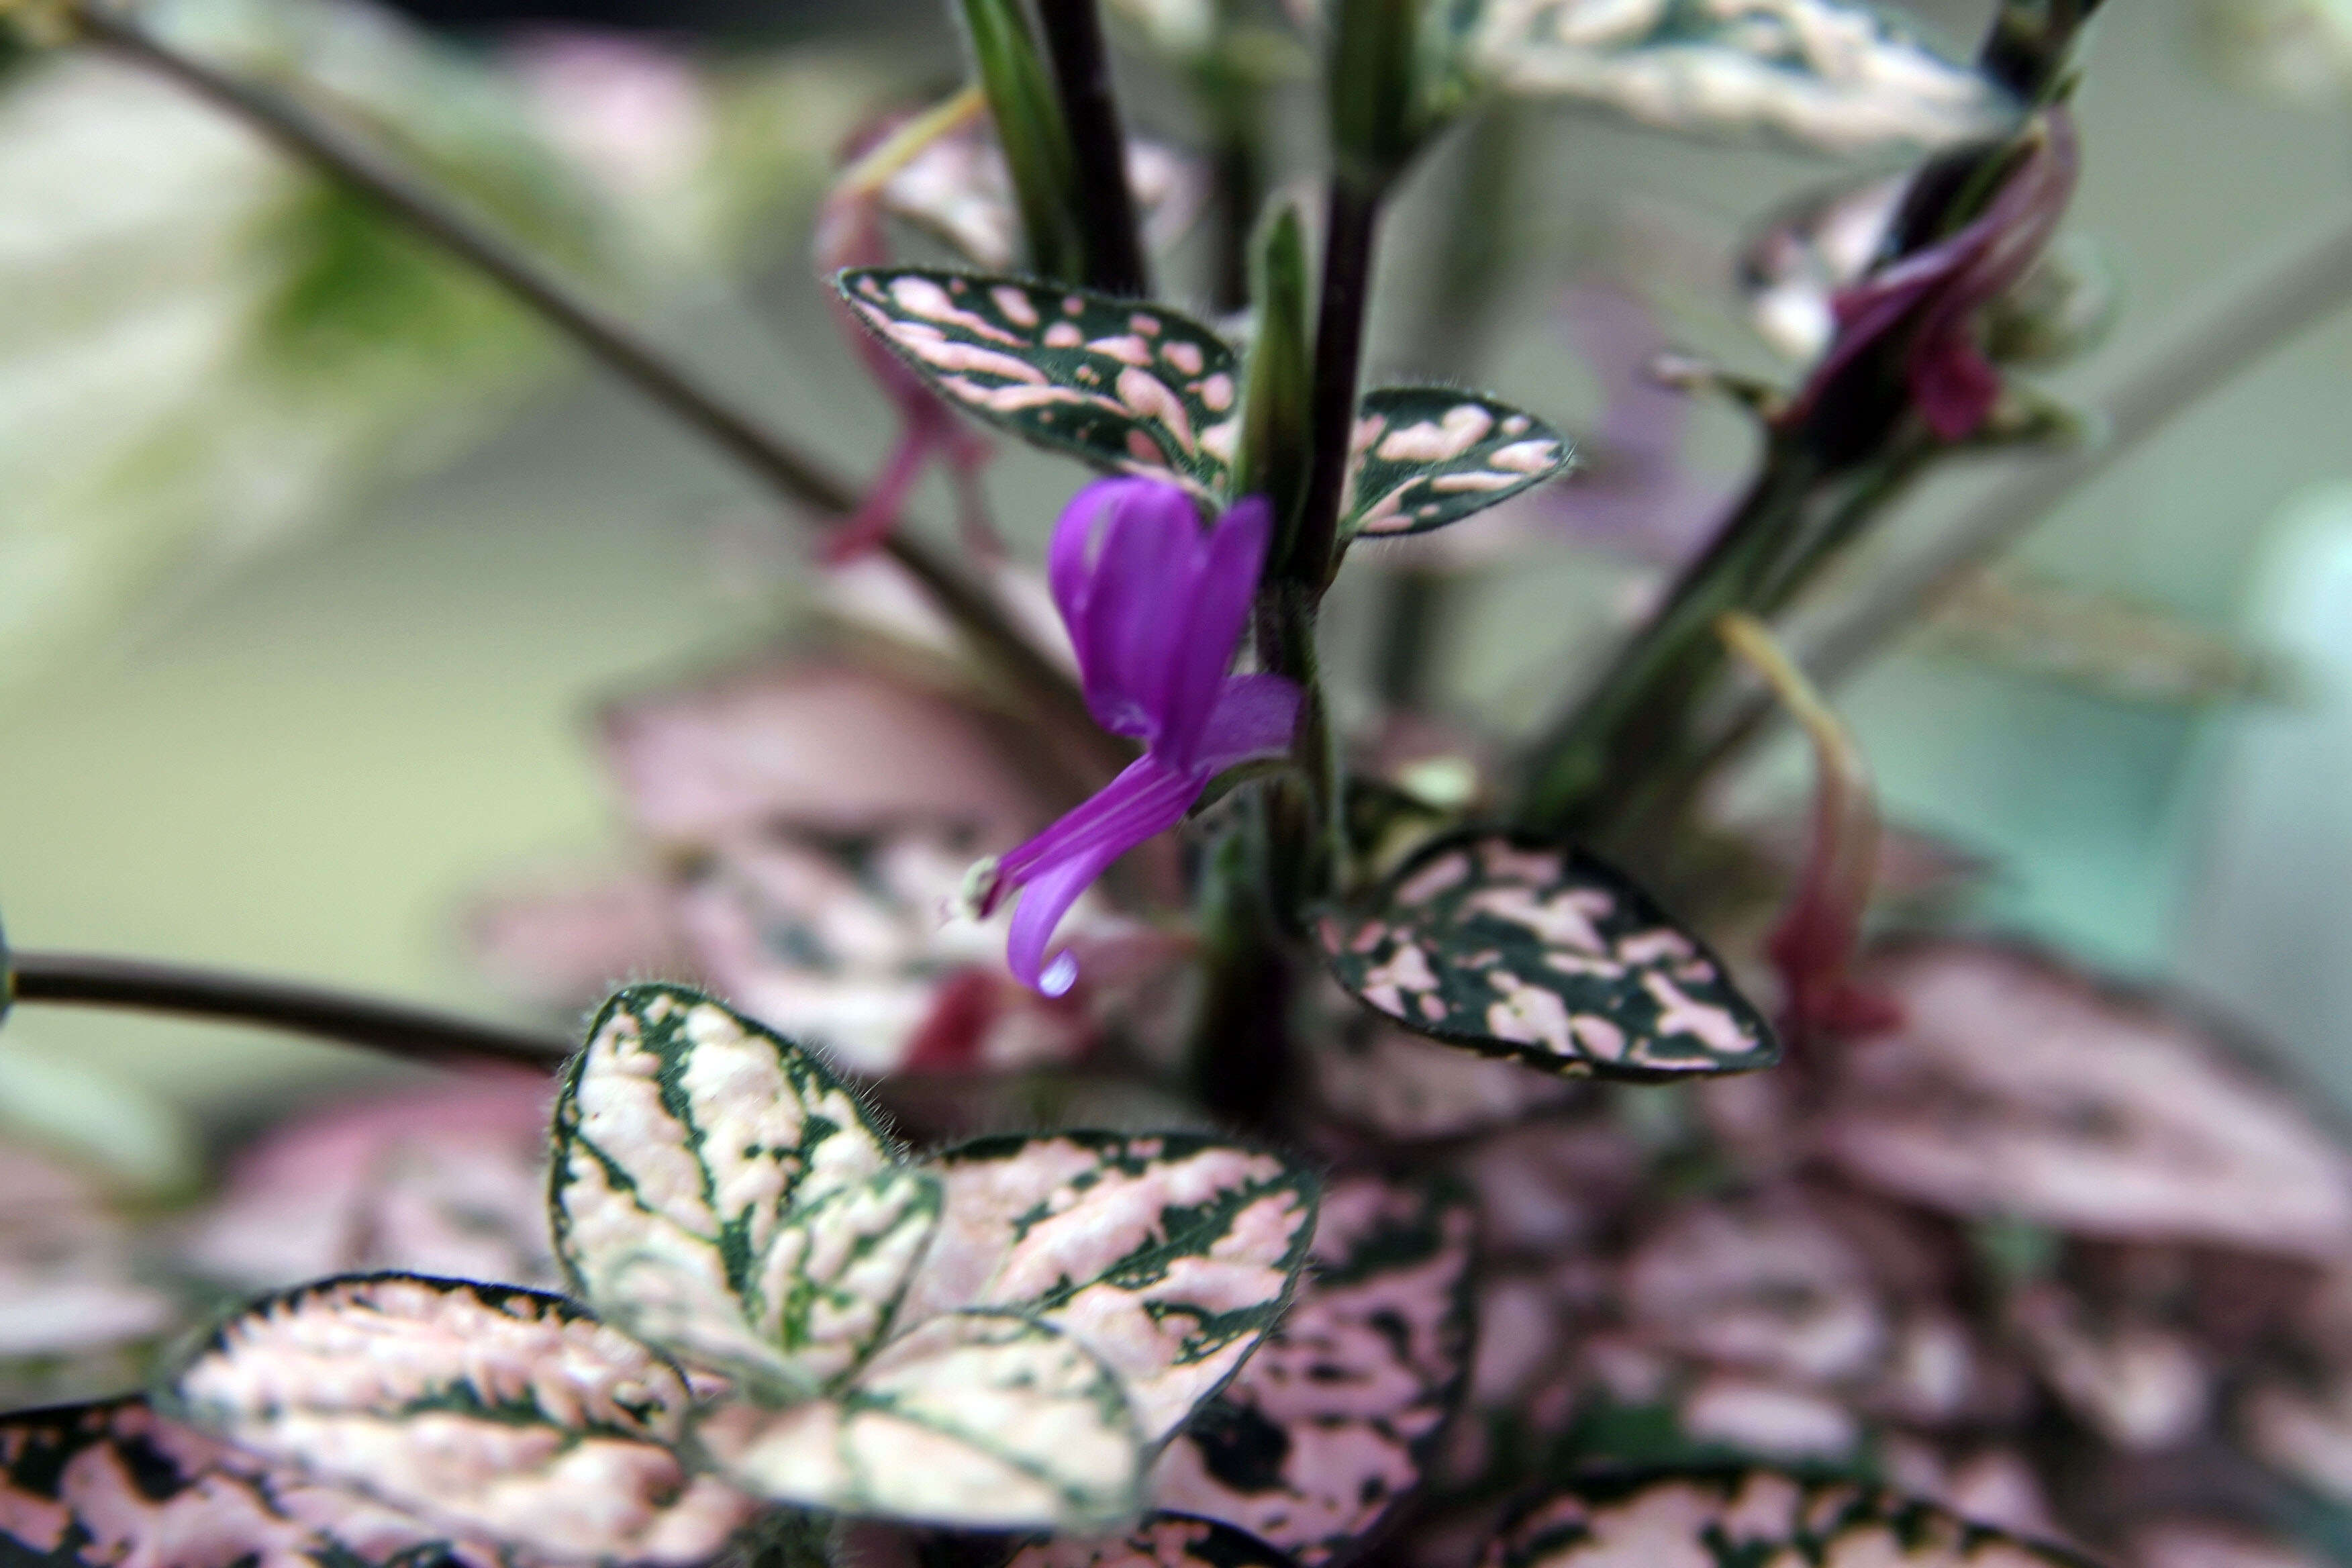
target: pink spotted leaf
1162 1539
487 1412
1331 1425
91 1486
1727 1517
1429 456
1546 955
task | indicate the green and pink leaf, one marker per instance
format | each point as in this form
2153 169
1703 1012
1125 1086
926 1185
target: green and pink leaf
1429 456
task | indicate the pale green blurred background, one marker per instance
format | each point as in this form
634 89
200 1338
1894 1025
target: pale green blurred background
305 764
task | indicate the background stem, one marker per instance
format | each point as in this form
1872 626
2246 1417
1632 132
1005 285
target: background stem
71 979
971 608
1116 263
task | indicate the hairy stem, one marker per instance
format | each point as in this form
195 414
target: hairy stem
84 979
1116 263
610 341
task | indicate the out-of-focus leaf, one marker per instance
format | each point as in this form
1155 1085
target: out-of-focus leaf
719 1192
1163 1539
1126 386
1546 955
2123 1119
92 1486
1827 75
450 1180
1332 1422
75 1316
958 190
1717 1519
209 350
1034 136
486 1411
2139 1383
1277 414
978 1420
1429 456
1374 1075
2138 653
1170 1256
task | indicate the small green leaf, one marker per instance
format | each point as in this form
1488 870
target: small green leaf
1732 1517
1035 138
489 1411
974 1420
1428 456
1128 387
718 1191
1168 1255
1277 417
82 1485
1544 955
1163 1539
1828 75
1332 1422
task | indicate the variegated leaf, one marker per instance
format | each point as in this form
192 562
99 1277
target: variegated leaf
489 1412
92 1486
1127 386
983 1421
1331 1423
1168 1256
718 1191
1731 1517
1830 75
1428 456
1544 955
1162 1541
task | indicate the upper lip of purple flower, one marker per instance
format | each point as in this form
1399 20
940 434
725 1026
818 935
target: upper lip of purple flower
1156 606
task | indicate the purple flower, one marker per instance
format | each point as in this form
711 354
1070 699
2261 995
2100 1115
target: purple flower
1939 290
1156 605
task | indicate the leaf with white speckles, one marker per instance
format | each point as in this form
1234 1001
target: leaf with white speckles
1163 1539
1429 456
1330 1424
1829 75
492 1413
1729 1517
91 1486
981 1421
719 1192
1168 1256
1544 955
1128 386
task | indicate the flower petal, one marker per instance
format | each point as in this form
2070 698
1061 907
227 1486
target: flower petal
1253 717
1060 863
1124 553
1217 608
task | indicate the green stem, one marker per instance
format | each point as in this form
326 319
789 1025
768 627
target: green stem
1638 704
69 979
1350 226
604 336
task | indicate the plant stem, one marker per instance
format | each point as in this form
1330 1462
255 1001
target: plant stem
71 979
2274 306
610 341
1352 219
1638 704
1236 110
1116 263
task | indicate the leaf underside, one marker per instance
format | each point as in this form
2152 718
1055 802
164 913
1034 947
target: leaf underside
1330 1424
486 1410
981 1421
1127 386
1163 1539
1430 455
1168 1256
106 1483
1733 1517
1544 955
718 1191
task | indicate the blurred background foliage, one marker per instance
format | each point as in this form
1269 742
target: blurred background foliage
316 555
